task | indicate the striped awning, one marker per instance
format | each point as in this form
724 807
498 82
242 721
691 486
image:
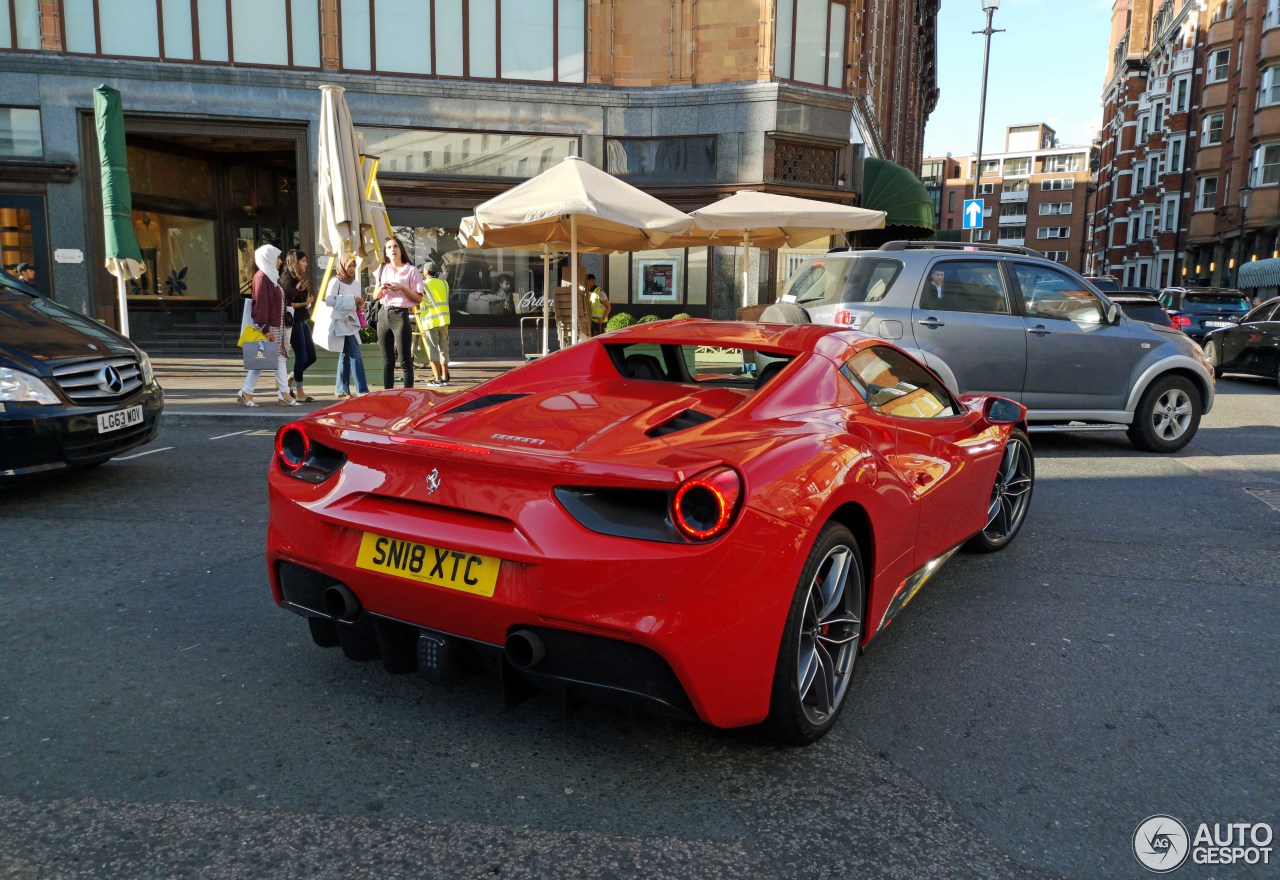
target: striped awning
1259 273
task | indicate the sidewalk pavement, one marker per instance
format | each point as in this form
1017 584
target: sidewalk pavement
202 389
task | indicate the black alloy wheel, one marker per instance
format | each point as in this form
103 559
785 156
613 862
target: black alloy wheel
1010 496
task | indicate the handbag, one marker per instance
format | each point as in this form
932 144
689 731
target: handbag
364 322
249 334
260 355
371 309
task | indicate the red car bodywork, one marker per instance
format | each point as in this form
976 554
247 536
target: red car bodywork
808 448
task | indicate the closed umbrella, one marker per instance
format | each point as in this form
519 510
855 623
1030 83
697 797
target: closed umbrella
123 256
346 220
769 220
577 204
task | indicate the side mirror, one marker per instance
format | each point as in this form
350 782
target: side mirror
1002 411
1113 313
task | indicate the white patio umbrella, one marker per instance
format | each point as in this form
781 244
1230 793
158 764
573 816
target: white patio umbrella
769 220
346 220
577 204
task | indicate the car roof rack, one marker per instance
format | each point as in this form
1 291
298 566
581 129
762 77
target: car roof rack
960 246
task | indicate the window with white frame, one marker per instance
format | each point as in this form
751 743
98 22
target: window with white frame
1148 222
1272 18
1012 233
1133 229
1266 163
1174 163
1139 179
1171 214
1269 91
1057 183
1056 256
1054 232
982 235
1182 92
1212 130
1219 59
1207 194
1055 208
1157 116
986 189
1059 164
1144 127
1017 166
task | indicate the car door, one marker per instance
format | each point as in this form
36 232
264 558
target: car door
964 318
1254 345
1076 361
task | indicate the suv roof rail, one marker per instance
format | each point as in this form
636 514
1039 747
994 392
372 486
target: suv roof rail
960 246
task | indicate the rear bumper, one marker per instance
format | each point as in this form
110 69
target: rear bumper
711 615
37 439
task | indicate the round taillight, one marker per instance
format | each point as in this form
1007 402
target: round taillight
292 447
704 506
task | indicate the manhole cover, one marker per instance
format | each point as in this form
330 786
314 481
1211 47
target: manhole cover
1269 497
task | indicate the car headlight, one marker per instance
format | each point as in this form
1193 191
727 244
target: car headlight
19 387
148 371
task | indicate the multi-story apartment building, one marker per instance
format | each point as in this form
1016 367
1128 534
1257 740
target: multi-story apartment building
462 99
1035 194
1189 177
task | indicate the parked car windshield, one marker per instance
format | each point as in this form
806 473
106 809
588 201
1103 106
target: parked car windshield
1217 300
827 281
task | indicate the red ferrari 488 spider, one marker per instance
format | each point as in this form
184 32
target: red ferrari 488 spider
707 518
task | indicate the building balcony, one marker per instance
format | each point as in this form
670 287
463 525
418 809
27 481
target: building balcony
1266 122
1014 220
1209 158
1183 60
1222 32
1009 195
1020 240
1201 227
1269 50
1214 95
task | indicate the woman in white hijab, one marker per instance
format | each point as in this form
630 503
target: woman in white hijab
268 316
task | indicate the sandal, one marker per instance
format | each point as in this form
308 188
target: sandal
286 401
300 395
246 399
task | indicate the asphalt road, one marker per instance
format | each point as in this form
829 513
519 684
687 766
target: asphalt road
161 718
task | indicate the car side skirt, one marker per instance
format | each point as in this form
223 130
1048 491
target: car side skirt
908 589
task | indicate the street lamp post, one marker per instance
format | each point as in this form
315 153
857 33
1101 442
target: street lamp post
989 7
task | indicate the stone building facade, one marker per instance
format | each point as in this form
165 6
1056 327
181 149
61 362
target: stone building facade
688 99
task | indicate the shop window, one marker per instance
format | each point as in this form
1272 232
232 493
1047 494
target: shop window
814 51
20 133
662 159
20 25
179 254
507 156
279 33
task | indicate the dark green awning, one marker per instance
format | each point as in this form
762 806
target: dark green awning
888 187
1259 273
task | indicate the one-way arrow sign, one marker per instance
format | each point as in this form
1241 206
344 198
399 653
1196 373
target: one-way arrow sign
973 210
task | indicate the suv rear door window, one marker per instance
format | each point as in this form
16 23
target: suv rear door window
965 286
835 281
1048 293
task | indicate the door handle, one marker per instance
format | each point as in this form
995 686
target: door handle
1039 330
932 323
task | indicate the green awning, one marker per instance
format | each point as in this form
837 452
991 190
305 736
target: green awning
1259 273
888 187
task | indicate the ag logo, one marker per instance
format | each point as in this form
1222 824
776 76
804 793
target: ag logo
1161 844
433 481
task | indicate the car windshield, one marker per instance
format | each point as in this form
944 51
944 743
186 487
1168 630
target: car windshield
1217 300
827 281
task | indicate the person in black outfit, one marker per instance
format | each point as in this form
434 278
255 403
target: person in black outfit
296 282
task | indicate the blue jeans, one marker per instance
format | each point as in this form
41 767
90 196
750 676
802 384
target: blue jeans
350 359
304 349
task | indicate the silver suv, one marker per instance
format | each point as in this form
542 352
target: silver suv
1007 321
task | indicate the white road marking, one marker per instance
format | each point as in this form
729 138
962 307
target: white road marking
232 434
148 452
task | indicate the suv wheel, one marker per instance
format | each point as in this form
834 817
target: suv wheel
1167 416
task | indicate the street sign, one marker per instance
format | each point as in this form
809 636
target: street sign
973 210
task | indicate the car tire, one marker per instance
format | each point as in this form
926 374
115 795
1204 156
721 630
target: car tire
1010 496
1211 352
1167 416
820 641
785 313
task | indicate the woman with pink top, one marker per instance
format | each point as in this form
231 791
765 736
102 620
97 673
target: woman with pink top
399 289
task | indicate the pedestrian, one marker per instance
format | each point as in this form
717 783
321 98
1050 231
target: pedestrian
295 281
268 316
343 295
600 306
399 289
25 272
435 324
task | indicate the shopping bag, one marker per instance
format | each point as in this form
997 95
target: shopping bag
251 333
322 323
260 355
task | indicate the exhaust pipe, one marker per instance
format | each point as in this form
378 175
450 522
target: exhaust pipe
341 603
525 649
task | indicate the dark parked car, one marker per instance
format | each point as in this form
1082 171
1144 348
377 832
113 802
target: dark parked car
73 392
1197 311
1251 347
1104 283
1141 306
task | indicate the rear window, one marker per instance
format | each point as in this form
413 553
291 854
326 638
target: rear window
1217 300
825 281
743 368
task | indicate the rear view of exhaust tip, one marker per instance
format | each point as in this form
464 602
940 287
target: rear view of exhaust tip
341 603
525 649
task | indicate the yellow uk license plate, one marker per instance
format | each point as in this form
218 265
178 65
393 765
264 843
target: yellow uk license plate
440 566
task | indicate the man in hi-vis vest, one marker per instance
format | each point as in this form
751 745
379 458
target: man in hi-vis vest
433 318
